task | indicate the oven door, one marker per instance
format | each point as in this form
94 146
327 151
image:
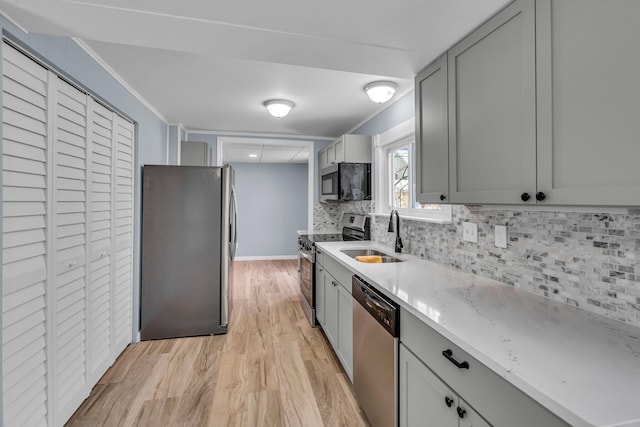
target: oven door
307 288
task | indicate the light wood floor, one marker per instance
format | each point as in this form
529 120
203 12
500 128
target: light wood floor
271 369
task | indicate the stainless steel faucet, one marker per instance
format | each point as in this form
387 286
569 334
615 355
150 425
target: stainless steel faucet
395 227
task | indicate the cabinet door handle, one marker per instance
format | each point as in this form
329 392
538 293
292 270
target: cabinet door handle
525 197
448 401
461 412
448 353
540 196
443 197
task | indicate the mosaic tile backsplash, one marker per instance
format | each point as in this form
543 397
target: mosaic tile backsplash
588 260
327 216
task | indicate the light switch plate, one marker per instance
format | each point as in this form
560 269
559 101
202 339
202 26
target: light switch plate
470 232
501 236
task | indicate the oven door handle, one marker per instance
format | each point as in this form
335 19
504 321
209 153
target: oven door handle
305 255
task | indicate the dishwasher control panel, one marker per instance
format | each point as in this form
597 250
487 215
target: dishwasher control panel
380 307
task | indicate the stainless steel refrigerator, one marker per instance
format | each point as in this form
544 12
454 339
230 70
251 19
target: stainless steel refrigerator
188 246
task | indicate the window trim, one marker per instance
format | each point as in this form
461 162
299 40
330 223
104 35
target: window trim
399 136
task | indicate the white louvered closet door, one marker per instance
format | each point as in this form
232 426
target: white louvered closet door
69 278
24 240
101 213
123 262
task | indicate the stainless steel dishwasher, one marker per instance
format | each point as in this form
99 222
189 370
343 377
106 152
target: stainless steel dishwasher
375 349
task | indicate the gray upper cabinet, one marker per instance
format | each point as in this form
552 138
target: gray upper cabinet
588 101
196 154
492 110
542 108
432 147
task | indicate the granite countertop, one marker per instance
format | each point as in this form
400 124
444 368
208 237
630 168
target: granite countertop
583 367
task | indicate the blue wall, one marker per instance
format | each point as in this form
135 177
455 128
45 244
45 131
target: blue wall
272 206
69 59
398 112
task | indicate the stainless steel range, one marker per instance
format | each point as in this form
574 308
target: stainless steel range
354 227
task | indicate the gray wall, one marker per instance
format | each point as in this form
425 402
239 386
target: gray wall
65 56
272 206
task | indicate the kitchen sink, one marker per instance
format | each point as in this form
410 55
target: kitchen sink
384 257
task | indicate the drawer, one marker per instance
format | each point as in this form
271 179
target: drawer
339 272
497 400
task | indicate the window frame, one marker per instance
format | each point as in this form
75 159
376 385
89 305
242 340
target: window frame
400 136
388 179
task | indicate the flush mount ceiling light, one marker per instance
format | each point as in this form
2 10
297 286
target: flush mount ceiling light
278 107
380 92
253 156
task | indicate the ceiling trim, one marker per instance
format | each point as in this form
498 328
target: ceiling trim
84 46
399 96
222 134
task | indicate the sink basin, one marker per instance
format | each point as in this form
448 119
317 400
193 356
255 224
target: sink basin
353 253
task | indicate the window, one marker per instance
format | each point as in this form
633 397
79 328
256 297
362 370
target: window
395 177
400 173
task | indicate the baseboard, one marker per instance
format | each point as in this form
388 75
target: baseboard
265 258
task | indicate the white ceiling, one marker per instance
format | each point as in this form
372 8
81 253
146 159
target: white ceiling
275 151
210 64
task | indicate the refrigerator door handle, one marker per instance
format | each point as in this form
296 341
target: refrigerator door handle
234 226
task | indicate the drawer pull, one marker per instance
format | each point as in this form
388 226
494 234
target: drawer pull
448 401
461 412
449 355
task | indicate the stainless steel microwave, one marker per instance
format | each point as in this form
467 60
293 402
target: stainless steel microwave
345 182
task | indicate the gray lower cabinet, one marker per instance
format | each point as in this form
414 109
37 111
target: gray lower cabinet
588 109
331 310
339 321
432 133
334 308
426 401
345 329
500 403
320 292
492 109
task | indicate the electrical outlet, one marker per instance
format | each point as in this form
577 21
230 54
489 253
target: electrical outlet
470 232
501 236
